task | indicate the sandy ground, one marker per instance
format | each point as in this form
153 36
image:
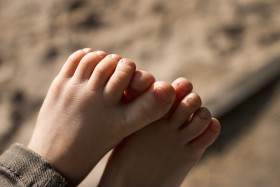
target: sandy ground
214 43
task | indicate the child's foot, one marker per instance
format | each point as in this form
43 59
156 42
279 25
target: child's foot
82 117
162 153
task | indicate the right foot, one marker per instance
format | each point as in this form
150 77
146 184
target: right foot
83 115
162 153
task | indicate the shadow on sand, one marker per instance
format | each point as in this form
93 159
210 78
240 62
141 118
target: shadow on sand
241 118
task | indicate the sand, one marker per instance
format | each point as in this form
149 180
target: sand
214 43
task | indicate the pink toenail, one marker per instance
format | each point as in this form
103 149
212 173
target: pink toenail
87 50
127 62
116 57
204 113
101 53
123 61
192 101
215 127
183 86
162 95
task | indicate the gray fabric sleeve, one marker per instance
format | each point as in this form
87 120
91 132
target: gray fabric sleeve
20 166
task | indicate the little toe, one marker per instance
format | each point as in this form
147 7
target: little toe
196 126
150 106
119 81
140 82
103 71
72 63
88 63
185 109
208 136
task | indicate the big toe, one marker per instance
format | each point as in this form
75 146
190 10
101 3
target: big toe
150 106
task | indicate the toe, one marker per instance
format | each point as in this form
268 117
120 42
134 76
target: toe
150 106
119 81
208 136
199 122
140 82
185 109
87 64
87 50
72 63
103 72
182 87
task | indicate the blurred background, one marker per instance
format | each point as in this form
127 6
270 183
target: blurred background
230 50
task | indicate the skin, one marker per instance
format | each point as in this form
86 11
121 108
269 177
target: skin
163 153
84 114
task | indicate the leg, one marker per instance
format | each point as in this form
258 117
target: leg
83 115
162 153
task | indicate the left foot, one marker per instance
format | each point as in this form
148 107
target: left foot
162 153
84 116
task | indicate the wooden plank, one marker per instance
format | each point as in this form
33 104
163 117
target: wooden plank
238 92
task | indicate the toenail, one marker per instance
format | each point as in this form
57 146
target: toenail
192 101
162 95
215 127
185 87
101 53
87 50
116 57
127 62
204 114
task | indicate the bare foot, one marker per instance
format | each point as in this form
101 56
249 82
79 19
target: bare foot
162 153
83 115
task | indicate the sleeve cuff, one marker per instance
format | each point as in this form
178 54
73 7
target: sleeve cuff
29 168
